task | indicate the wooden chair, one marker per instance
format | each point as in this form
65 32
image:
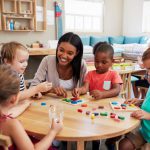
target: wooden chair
5 141
126 87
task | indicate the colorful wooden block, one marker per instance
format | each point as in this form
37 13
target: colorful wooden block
93 108
121 117
116 119
84 105
100 107
96 114
88 112
92 116
103 113
80 110
114 103
43 104
74 98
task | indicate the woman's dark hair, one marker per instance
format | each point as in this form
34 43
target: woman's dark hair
146 55
103 47
74 40
9 82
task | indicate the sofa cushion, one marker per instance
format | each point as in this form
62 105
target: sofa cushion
94 40
144 40
87 49
129 40
116 39
85 40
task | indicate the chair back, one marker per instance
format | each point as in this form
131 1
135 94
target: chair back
126 87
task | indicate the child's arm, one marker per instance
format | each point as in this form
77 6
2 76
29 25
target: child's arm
81 90
23 142
42 87
96 94
19 108
141 114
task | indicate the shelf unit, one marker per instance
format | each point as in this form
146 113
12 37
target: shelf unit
9 6
23 15
25 7
42 25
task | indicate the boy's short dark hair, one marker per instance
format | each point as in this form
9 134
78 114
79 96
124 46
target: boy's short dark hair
103 47
146 55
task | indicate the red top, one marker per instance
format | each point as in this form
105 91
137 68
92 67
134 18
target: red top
102 81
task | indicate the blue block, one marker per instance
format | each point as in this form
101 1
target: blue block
43 104
74 102
96 114
79 101
114 103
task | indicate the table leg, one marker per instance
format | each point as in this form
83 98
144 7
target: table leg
80 145
68 145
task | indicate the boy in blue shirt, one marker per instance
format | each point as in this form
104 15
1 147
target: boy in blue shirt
141 138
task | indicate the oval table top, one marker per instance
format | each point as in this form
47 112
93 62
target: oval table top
77 126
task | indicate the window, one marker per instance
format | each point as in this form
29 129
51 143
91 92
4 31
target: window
146 16
84 15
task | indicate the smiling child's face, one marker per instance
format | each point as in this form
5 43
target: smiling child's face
103 62
20 61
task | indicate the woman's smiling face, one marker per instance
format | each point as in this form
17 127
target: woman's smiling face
66 53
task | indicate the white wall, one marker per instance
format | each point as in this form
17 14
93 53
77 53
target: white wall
113 17
132 17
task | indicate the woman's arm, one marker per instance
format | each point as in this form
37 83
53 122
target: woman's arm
40 75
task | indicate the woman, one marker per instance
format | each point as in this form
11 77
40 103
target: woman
66 70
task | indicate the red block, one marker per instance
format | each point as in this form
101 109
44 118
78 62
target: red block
84 105
116 119
116 107
112 116
74 98
80 110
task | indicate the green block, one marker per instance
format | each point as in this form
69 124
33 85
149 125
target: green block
103 114
121 117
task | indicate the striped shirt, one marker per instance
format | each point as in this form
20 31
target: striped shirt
22 84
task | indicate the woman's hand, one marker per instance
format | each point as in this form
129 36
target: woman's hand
59 91
76 92
96 94
141 114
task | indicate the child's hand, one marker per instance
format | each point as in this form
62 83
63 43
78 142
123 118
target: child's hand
76 92
44 87
38 95
134 101
96 94
56 126
59 91
141 114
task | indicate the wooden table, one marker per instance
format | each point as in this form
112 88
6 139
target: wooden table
77 127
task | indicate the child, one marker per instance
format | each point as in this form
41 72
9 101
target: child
17 55
102 82
141 139
9 95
